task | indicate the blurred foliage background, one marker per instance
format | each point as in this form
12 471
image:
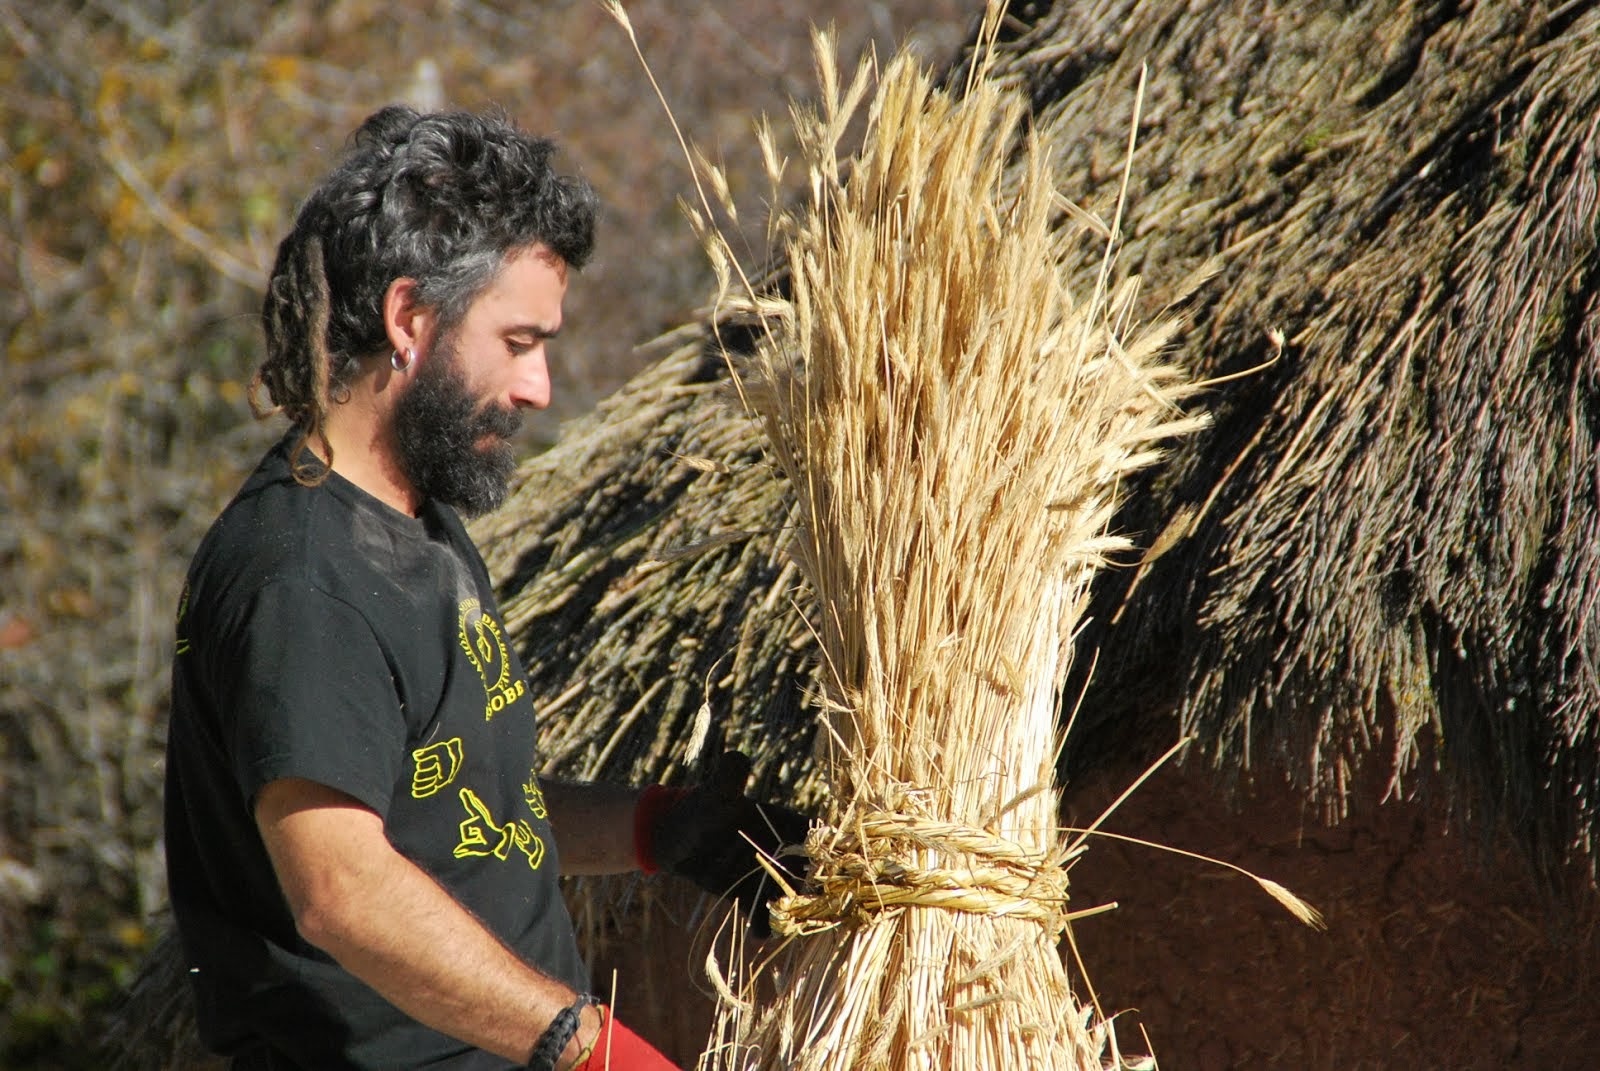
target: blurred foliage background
152 152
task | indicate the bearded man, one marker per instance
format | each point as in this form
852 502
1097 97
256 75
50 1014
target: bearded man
362 855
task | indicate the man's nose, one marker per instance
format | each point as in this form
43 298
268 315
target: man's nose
531 388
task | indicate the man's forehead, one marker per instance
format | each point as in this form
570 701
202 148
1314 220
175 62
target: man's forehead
531 282
525 295
536 253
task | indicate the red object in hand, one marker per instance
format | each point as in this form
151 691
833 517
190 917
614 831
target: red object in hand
620 1049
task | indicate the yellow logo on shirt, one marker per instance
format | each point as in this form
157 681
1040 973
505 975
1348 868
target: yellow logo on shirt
484 642
534 796
482 835
435 767
178 625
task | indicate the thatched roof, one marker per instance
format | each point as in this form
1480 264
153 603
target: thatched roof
1387 555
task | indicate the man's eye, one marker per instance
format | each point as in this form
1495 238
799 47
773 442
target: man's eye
519 346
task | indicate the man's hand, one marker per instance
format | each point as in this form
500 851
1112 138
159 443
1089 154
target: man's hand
711 835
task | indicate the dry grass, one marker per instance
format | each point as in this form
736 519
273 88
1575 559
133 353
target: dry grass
956 420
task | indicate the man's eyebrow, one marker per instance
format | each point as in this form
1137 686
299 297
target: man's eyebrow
536 330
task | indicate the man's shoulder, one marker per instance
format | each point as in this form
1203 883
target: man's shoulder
266 513
276 529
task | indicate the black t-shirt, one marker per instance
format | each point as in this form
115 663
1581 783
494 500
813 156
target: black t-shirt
325 636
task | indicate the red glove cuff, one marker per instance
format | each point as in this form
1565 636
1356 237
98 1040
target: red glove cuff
654 802
620 1049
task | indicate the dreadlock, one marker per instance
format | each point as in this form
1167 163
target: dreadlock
442 199
297 373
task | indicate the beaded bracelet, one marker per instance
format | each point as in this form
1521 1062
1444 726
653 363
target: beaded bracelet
553 1042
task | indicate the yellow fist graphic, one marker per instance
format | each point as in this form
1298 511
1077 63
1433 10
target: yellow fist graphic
437 765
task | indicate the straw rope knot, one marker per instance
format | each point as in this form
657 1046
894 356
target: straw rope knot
883 862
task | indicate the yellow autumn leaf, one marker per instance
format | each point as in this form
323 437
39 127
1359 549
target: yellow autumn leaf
280 69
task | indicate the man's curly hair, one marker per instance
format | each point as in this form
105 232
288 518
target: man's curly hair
439 198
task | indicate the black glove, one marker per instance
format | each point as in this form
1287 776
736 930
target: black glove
711 833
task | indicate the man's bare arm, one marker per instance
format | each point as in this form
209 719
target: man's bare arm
593 824
391 925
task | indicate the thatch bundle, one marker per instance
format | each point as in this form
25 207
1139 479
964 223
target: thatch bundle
956 425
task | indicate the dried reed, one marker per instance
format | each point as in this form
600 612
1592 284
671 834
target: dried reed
956 424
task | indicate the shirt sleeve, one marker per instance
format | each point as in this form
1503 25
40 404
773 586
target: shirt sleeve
305 690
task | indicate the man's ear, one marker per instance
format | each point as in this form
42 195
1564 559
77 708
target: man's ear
408 323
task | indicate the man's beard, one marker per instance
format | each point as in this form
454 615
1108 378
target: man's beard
438 427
